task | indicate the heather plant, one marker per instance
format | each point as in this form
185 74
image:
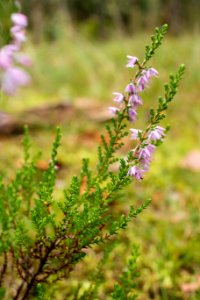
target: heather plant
43 237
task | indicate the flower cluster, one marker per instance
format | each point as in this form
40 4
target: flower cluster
128 103
12 76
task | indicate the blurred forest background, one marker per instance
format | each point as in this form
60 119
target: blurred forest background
78 50
102 18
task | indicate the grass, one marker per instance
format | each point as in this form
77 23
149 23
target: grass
77 69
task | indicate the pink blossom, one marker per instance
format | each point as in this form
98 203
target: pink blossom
18 34
5 58
135 133
6 55
142 83
151 148
152 72
136 172
131 61
146 151
132 114
135 100
118 97
14 78
144 79
130 88
145 164
156 134
19 19
113 110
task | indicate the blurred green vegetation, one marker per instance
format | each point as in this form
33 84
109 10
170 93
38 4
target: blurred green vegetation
85 71
100 17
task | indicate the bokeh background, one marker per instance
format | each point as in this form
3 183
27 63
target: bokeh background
78 49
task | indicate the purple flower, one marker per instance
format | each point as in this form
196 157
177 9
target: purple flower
113 110
118 97
18 34
144 79
130 88
151 148
136 172
145 164
6 56
135 133
14 78
131 61
156 134
151 72
19 19
142 83
146 151
132 114
135 100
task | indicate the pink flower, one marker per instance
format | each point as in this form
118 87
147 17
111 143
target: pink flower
19 19
18 34
14 78
132 114
151 148
145 164
113 110
135 133
6 56
118 97
130 88
156 134
142 83
146 152
131 61
152 72
144 79
135 100
136 172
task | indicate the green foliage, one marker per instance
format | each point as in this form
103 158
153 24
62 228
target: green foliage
170 91
41 215
7 7
156 41
125 290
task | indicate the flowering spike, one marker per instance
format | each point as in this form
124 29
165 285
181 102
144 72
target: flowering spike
13 76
